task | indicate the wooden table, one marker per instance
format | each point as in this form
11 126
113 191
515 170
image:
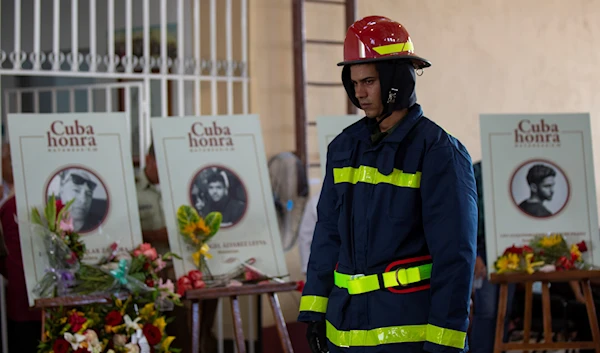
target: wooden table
197 295
583 277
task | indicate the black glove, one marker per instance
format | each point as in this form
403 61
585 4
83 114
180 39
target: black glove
317 339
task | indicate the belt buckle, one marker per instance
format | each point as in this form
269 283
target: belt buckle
353 277
404 276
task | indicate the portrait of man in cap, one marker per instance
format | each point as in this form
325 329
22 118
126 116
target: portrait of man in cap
89 195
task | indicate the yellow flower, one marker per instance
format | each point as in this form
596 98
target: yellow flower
508 262
550 240
575 253
166 343
160 323
202 227
189 229
194 239
148 311
529 266
513 261
204 251
502 264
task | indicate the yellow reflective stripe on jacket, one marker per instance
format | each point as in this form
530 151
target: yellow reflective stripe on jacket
445 336
396 334
313 303
394 48
371 175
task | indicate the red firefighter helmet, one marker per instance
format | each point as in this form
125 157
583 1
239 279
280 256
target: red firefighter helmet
375 38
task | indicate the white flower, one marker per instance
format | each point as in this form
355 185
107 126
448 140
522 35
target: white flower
131 324
120 340
132 348
547 268
139 339
74 340
91 337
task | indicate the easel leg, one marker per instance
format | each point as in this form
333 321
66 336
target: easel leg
501 315
528 311
43 325
546 313
284 336
591 311
195 326
237 325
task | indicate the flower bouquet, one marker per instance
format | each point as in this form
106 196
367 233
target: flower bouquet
116 328
544 253
197 232
136 271
63 246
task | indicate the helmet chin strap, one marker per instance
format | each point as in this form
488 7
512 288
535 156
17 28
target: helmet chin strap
388 108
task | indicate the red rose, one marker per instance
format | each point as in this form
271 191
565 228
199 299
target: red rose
183 283
152 334
513 250
195 275
59 206
114 318
61 346
198 284
527 249
149 282
300 286
81 350
582 246
76 322
251 275
563 263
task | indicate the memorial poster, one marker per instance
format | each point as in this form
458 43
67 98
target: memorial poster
218 163
538 178
85 157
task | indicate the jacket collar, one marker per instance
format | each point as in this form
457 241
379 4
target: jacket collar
360 130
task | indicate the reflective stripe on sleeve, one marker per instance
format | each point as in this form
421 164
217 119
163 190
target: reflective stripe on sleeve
313 303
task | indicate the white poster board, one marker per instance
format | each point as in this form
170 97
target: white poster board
328 127
81 156
219 164
538 178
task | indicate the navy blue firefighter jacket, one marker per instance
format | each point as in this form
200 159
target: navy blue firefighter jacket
394 247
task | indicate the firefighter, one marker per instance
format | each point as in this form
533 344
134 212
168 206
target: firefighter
394 247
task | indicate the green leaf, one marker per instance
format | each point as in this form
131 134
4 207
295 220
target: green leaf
51 213
213 222
35 216
169 255
186 215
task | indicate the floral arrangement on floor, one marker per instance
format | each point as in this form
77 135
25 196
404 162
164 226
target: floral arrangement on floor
543 253
116 328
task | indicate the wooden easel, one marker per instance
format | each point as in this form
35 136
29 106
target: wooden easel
583 277
197 295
